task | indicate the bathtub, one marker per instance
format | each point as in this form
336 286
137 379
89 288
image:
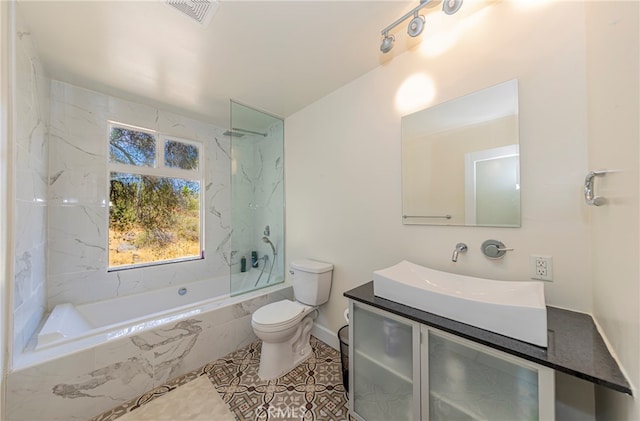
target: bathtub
89 358
70 328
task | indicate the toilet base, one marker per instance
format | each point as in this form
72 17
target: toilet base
277 359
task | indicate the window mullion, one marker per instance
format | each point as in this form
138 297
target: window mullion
159 151
157 172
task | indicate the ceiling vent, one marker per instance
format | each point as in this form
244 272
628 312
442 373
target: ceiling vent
201 11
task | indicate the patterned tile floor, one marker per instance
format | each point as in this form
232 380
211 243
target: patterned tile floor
312 391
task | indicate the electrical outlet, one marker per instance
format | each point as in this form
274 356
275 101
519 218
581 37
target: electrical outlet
541 268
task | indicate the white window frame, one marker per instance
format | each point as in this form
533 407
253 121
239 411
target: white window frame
158 170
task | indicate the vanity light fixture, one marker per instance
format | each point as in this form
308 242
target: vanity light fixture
451 6
387 42
416 25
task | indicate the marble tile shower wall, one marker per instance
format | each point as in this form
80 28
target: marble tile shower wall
241 192
78 198
31 158
258 194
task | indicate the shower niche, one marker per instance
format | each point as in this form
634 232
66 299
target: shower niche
257 198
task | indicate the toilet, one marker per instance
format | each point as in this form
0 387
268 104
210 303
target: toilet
285 326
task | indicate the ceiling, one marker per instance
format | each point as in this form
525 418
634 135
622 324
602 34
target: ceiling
278 56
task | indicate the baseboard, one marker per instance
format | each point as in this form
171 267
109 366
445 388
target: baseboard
326 335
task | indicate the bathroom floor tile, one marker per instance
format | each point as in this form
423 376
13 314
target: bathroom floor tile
312 391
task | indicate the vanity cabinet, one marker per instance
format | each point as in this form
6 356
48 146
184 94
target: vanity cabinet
384 371
403 370
463 380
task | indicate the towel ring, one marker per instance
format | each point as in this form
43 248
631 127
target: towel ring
589 196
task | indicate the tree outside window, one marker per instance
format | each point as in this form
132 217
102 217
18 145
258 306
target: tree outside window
154 198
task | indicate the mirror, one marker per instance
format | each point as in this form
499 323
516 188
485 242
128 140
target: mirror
461 161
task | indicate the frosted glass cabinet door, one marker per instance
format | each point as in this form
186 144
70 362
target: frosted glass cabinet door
467 381
385 358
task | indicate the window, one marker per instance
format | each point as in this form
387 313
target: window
154 198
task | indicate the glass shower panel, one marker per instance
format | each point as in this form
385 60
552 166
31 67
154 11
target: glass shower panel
257 207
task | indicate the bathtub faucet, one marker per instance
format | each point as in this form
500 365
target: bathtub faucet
460 248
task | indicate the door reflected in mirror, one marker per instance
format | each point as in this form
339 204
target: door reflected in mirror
461 161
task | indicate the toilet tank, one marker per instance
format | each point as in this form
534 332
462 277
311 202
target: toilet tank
311 281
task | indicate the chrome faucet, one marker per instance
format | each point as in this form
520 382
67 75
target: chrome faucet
460 248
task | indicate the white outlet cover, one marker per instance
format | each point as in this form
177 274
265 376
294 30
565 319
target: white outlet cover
535 272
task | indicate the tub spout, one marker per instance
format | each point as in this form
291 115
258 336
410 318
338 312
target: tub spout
460 248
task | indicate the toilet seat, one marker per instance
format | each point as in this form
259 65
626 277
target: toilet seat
279 315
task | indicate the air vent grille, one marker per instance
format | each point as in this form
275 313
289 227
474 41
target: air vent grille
199 10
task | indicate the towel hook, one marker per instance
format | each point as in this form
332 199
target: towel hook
589 196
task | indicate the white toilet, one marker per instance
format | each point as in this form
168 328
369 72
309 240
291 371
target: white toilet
285 326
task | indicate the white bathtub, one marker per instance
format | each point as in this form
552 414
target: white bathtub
91 359
71 328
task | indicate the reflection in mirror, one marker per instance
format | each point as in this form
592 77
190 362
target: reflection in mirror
461 161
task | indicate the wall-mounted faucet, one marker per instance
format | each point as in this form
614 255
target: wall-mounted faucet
460 248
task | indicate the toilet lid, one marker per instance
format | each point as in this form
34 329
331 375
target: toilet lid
277 313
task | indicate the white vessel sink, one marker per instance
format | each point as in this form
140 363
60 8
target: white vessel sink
514 309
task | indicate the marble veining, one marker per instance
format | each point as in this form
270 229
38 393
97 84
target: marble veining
222 148
170 346
124 371
30 172
81 385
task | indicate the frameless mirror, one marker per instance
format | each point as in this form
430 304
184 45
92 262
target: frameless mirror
461 161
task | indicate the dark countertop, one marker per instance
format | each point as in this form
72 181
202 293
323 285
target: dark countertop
575 345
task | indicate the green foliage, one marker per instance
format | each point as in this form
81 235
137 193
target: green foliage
164 209
122 214
190 200
132 147
188 228
157 203
155 237
180 155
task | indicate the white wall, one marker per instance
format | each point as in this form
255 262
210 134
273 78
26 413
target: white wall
5 133
613 81
343 167
343 158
